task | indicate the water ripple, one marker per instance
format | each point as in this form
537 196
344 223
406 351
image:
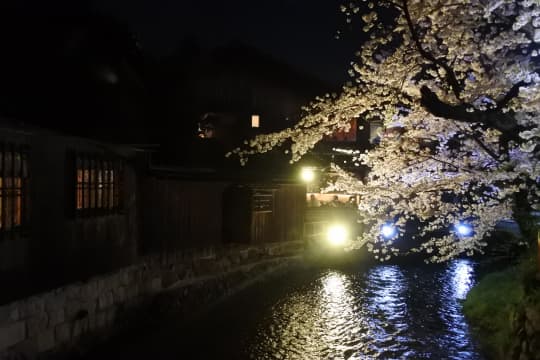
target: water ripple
387 312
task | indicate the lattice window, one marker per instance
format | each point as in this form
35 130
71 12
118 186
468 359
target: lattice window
13 187
98 185
263 200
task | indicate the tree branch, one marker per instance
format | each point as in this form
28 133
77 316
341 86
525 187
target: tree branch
488 151
512 93
494 118
450 75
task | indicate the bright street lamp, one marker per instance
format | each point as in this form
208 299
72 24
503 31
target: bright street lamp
337 235
307 174
388 231
464 229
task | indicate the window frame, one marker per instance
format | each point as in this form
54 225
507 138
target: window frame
97 185
14 194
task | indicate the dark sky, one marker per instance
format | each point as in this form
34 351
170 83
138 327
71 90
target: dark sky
299 32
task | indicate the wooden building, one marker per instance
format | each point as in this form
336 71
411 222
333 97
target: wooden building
72 208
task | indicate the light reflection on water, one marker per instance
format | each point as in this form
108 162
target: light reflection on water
387 312
461 273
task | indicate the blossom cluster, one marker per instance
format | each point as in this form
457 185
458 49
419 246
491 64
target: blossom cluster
461 80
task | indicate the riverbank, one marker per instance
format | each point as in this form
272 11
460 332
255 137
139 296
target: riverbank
67 322
504 311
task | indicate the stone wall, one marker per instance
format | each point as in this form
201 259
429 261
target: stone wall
57 321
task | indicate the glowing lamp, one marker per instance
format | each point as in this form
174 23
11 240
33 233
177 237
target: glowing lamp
464 229
337 235
307 174
388 231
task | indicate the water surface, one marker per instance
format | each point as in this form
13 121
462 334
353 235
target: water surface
380 312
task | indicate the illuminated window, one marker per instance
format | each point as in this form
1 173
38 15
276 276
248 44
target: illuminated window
255 121
13 187
97 185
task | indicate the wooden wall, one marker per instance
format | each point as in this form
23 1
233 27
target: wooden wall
180 214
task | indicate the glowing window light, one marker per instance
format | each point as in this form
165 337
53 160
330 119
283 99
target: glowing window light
255 121
388 231
337 235
463 229
307 174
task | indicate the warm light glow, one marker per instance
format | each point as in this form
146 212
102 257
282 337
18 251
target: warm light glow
307 174
388 231
337 235
255 121
464 229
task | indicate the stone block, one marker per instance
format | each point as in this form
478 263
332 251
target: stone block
204 266
62 332
225 264
90 306
45 340
156 284
124 277
105 300
73 291
101 319
135 275
55 301
110 316
33 306
100 286
9 313
120 295
90 290
56 317
180 270
70 309
36 324
172 258
92 322
244 254
12 334
169 278
24 350
130 293
76 309
80 327
14 314
234 258
104 284
115 281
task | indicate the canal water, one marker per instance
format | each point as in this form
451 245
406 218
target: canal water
379 312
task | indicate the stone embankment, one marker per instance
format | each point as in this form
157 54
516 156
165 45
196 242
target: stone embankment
59 320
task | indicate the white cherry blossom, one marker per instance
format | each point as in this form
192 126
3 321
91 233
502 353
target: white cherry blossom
462 81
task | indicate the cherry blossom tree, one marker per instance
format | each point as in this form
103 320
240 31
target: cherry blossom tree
456 84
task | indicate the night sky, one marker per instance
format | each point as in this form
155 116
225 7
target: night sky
299 32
